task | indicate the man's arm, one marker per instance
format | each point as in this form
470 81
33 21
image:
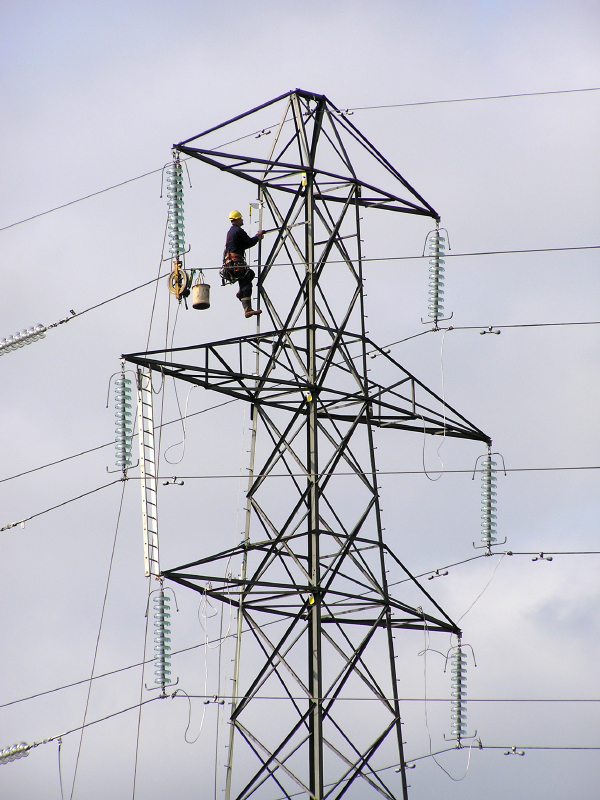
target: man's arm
239 240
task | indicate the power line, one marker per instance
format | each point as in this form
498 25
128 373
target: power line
478 745
80 199
22 522
408 699
96 721
108 444
248 135
114 186
356 108
60 461
534 747
75 314
519 325
473 99
285 475
122 294
555 553
379 473
130 666
496 252
66 502
489 327
103 675
451 255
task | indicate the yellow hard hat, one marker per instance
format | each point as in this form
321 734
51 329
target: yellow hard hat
235 215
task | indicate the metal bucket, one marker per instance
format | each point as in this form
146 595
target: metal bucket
201 296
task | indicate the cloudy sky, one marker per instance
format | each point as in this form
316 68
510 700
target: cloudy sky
93 95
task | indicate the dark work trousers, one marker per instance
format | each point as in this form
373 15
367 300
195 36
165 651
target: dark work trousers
246 284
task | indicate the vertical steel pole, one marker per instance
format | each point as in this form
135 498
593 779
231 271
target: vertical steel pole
240 619
314 611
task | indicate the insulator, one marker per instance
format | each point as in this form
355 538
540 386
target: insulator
21 338
20 750
175 205
458 671
123 423
436 275
161 647
488 502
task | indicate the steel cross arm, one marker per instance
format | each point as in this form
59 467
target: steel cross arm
362 139
271 602
235 119
267 544
274 390
282 388
384 200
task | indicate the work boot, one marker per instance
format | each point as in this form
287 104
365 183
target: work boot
247 306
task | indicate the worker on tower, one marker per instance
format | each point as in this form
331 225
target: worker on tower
235 267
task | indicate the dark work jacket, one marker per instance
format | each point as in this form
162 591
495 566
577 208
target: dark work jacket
238 241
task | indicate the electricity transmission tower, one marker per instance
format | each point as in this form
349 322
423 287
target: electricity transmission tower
315 560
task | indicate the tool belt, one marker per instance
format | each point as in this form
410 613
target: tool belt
234 268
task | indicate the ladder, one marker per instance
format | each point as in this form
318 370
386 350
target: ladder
148 475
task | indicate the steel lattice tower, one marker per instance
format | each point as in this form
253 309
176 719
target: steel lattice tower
315 558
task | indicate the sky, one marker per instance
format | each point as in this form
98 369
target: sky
95 94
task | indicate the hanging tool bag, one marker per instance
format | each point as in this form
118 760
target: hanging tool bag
234 268
234 265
